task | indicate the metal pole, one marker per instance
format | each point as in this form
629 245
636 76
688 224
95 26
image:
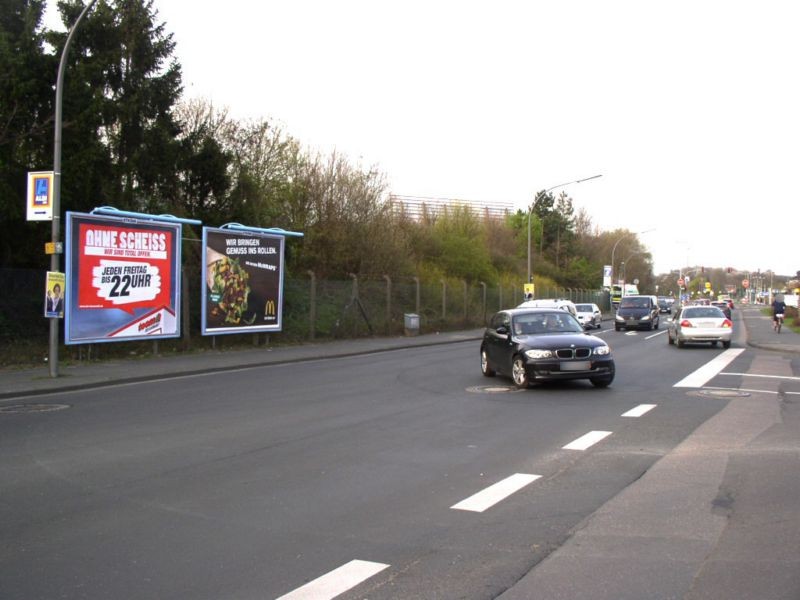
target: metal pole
530 210
55 260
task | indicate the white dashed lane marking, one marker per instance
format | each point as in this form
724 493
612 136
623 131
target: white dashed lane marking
337 581
495 493
639 410
587 441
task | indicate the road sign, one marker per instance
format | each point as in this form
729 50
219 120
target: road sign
745 283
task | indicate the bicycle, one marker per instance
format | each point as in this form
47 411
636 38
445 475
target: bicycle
778 322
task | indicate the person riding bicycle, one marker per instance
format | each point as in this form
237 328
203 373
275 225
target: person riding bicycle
778 310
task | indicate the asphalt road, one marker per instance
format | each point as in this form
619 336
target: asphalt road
345 474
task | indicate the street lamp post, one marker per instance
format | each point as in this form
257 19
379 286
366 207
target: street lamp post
614 249
530 210
55 258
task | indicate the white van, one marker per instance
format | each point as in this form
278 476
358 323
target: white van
566 305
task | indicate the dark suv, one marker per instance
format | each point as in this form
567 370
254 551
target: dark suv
636 312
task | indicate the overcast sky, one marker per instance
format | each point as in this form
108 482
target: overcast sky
689 109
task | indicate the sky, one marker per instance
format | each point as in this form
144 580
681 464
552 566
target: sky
690 110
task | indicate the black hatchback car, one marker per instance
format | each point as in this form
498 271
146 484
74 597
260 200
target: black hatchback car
537 344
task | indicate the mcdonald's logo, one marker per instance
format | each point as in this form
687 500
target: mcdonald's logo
269 309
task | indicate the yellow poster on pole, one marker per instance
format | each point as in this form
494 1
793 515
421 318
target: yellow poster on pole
528 289
54 295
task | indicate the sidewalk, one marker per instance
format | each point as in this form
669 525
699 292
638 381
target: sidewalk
16 383
760 334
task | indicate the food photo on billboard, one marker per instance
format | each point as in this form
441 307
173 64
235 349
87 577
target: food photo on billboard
243 282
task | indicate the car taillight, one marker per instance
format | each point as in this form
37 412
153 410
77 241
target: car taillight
686 323
727 323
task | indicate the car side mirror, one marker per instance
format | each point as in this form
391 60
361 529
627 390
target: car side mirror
501 330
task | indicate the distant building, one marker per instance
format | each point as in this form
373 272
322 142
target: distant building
415 207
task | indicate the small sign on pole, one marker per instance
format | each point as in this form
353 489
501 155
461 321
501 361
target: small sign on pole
40 196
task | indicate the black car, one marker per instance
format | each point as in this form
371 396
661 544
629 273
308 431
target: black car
637 312
537 344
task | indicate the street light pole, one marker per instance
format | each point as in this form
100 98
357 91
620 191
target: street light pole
55 230
530 210
614 249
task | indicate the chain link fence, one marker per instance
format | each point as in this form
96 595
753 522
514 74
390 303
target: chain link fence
314 309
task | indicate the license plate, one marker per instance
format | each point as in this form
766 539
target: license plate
580 365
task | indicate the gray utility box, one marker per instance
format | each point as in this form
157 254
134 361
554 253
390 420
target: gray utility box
411 323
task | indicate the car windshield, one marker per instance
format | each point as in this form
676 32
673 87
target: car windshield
583 307
539 323
703 312
635 303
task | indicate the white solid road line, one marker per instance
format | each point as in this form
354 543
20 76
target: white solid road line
708 371
337 581
789 377
495 493
639 410
586 441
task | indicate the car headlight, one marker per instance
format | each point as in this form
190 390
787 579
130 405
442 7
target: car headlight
601 350
618 318
536 353
646 318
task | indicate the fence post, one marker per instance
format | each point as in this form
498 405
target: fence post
355 286
416 281
312 311
444 299
465 301
483 285
388 303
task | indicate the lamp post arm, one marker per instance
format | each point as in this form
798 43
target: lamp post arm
530 210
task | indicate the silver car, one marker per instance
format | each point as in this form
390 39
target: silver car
589 315
700 324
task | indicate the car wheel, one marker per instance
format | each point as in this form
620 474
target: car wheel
518 373
485 368
602 382
726 345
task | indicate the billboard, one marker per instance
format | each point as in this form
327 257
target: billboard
124 279
242 282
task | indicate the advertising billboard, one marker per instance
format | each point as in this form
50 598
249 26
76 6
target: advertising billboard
243 282
124 279
39 203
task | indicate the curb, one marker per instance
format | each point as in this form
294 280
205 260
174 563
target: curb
97 384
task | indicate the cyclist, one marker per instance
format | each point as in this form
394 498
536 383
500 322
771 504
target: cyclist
778 310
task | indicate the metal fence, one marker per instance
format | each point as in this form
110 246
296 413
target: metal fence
313 309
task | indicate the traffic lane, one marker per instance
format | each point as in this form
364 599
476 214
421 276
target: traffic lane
223 467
